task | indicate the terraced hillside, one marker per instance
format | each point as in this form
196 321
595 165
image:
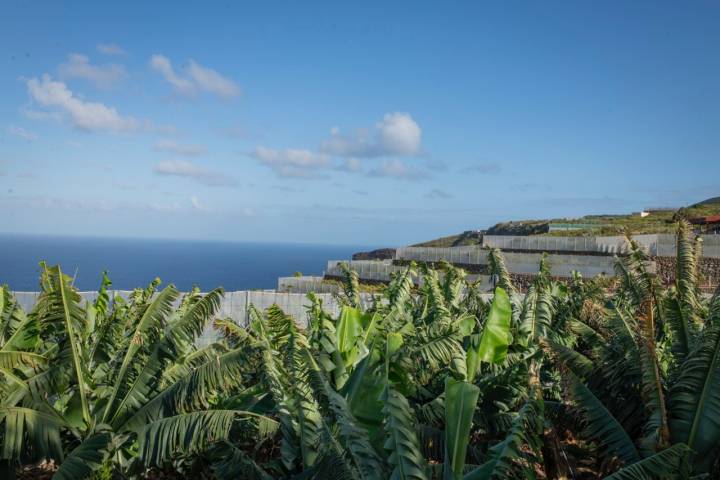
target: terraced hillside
658 221
565 257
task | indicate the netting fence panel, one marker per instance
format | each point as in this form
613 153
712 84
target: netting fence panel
306 285
473 255
610 244
711 246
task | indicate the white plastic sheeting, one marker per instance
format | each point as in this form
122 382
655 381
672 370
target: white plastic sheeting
380 270
657 244
517 262
235 304
471 255
306 285
609 245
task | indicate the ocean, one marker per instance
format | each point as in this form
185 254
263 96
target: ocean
135 262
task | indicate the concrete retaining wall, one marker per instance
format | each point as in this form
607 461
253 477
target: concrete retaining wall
560 265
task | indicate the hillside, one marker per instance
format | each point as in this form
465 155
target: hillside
470 237
656 222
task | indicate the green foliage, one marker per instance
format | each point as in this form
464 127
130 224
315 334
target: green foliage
507 459
90 376
460 401
350 285
695 397
496 336
600 424
402 444
661 465
86 458
499 270
426 382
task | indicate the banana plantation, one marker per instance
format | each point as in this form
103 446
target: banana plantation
594 378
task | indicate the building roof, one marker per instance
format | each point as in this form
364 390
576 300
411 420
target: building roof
705 220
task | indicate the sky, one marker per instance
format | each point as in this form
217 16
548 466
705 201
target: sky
365 123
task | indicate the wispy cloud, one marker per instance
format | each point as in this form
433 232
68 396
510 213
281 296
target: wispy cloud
351 165
397 169
83 114
530 186
437 193
53 203
22 133
436 165
195 78
27 175
179 149
110 49
292 162
241 132
102 76
396 134
182 168
483 168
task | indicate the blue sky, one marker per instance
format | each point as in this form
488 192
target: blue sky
378 123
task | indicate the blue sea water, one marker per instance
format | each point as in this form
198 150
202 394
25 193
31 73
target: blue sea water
135 262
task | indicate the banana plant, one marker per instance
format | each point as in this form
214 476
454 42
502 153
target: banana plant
582 379
125 387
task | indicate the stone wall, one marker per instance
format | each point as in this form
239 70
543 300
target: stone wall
709 272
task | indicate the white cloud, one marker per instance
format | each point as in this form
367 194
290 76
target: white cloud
195 78
182 168
162 64
396 134
291 162
352 165
22 133
110 49
195 202
102 76
397 169
178 149
84 115
399 134
211 81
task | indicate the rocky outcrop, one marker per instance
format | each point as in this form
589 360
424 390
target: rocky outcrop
379 254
